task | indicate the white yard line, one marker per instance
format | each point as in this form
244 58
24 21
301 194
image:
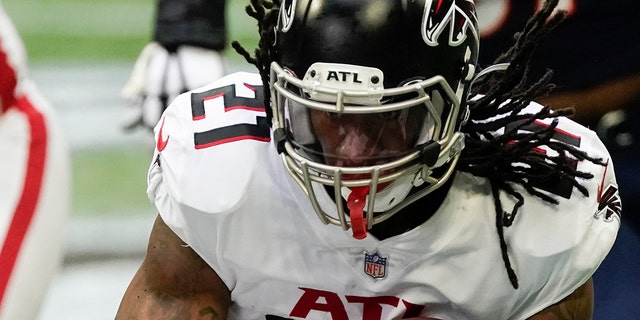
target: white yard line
90 290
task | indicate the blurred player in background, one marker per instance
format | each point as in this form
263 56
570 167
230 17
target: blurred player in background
594 56
34 184
185 54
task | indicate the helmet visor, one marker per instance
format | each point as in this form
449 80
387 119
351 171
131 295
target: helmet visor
357 139
359 124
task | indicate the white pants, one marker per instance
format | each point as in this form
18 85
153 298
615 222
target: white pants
34 202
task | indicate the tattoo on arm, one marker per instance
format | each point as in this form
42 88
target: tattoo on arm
209 310
174 283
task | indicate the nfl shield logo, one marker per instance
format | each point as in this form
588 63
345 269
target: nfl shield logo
375 265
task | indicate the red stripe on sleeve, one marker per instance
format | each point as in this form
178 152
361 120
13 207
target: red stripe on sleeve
28 201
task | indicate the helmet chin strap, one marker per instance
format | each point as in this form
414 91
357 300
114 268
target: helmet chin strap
356 202
387 194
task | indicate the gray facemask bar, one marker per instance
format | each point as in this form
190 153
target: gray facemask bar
489 69
305 171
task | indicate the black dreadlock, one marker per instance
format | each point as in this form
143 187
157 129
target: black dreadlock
503 159
510 158
266 13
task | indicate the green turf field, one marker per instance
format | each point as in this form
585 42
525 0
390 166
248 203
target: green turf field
110 181
90 30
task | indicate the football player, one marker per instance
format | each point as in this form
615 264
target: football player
185 54
353 178
34 184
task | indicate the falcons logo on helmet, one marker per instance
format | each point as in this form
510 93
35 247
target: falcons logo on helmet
287 10
458 18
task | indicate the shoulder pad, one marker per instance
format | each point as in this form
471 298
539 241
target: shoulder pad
208 142
579 231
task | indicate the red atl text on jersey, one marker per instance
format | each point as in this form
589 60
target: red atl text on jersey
332 303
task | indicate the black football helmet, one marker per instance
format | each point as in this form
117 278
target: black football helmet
402 68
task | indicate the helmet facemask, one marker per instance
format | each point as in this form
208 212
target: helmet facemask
338 126
366 98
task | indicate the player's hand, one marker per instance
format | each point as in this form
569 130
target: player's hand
159 76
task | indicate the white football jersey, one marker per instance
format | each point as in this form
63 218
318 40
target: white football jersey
220 185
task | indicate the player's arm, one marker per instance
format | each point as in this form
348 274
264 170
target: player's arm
173 282
577 306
